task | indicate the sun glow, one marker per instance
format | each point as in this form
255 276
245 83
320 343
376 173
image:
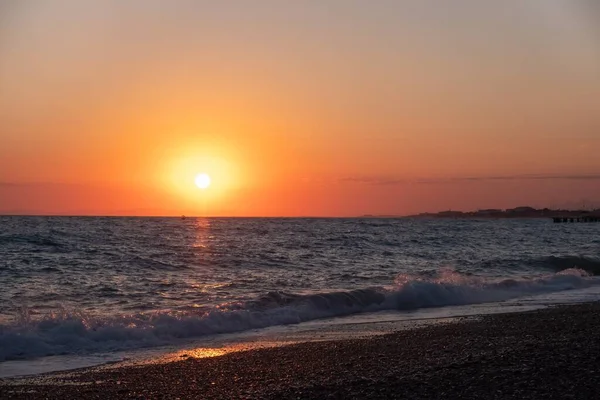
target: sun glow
202 178
202 181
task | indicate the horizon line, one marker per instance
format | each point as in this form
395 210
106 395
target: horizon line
184 216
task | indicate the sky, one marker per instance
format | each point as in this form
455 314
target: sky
298 108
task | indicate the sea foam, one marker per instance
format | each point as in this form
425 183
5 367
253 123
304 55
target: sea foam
76 333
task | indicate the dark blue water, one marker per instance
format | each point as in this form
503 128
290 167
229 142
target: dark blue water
84 285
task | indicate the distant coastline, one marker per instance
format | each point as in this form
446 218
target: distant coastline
518 212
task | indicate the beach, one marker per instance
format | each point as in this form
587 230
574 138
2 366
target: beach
549 353
299 199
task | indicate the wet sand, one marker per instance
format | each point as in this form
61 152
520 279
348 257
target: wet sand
551 353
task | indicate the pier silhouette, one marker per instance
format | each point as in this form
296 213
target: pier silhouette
585 218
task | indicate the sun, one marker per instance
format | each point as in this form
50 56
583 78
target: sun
202 180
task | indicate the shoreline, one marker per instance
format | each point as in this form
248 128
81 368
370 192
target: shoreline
551 353
33 370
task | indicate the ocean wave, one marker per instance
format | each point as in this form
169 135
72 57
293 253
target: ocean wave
561 263
76 333
154 264
535 265
36 239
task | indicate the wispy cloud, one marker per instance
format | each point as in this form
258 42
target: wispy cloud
42 184
11 184
24 185
375 180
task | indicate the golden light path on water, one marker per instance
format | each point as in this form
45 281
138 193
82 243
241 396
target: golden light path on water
209 352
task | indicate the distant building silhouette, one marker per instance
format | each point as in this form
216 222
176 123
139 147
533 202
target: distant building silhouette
520 210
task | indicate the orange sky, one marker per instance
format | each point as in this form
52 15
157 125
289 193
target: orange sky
333 108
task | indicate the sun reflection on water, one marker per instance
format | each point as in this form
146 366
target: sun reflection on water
208 352
202 228
202 352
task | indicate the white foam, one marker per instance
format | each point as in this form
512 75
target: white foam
70 333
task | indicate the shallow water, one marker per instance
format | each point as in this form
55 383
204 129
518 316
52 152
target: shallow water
98 288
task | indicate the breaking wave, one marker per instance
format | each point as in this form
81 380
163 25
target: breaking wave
74 333
557 264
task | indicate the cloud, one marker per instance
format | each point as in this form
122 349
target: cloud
29 185
11 184
374 180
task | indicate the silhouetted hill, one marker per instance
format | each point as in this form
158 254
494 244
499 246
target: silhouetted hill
518 212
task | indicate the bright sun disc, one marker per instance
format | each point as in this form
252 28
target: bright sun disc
202 181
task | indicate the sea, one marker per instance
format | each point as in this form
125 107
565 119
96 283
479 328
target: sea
81 291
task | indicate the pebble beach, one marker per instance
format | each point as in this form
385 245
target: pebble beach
549 353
